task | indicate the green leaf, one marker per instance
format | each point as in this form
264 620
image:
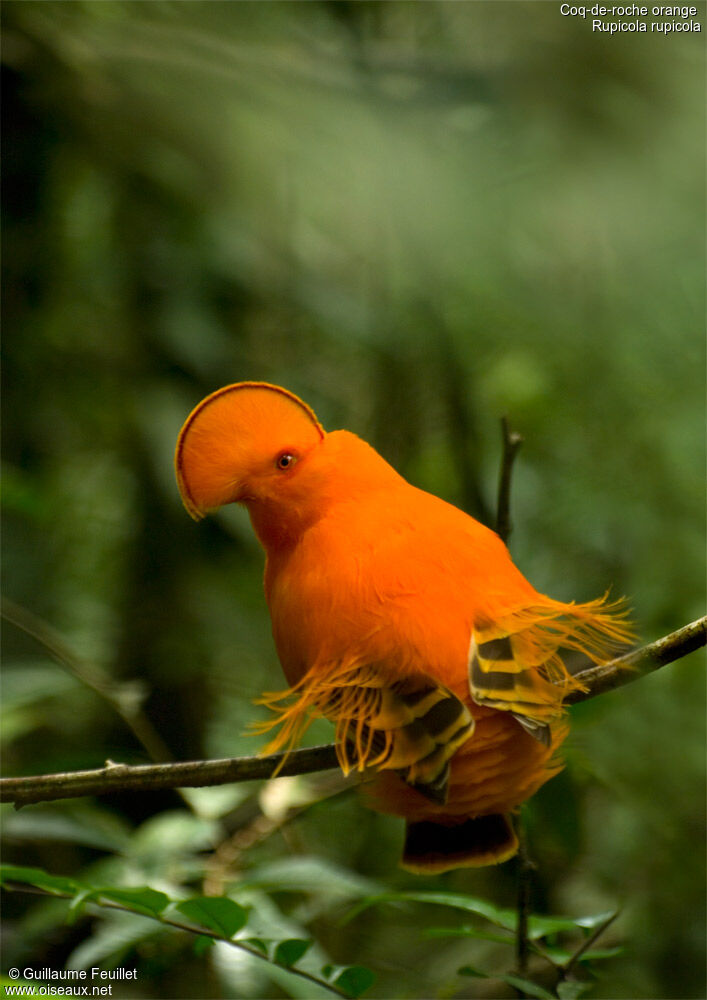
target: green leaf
219 913
467 931
528 986
289 985
75 824
561 956
78 903
202 944
291 951
29 681
538 926
258 943
113 937
469 970
354 980
173 834
40 879
589 923
471 904
307 874
144 900
571 989
599 954
212 803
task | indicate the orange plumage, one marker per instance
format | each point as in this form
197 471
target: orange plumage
400 618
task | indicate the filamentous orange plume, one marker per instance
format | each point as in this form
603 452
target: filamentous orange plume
398 617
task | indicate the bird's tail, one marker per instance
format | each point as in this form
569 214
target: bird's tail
431 848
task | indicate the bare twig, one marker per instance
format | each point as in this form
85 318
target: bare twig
511 443
625 669
526 868
195 774
148 777
566 969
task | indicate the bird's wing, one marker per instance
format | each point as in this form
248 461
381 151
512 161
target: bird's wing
499 679
516 665
411 726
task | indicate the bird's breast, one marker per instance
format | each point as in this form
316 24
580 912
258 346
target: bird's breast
331 602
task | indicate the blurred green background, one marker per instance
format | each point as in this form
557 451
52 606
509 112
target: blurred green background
419 217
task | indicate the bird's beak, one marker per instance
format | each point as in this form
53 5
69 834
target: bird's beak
200 502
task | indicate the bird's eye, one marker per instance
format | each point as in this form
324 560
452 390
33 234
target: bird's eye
285 460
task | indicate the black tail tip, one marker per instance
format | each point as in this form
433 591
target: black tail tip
431 848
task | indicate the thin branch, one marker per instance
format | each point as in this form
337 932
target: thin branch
196 774
511 443
178 925
526 869
566 969
148 777
626 669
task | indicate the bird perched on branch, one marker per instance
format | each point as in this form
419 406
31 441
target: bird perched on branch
398 617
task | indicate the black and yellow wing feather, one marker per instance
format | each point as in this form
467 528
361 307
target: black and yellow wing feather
412 726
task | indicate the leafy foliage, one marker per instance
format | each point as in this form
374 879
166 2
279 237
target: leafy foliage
220 918
544 934
218 913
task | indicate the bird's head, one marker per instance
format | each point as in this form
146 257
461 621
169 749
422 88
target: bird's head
246 443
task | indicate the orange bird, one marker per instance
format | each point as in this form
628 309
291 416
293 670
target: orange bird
398 617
